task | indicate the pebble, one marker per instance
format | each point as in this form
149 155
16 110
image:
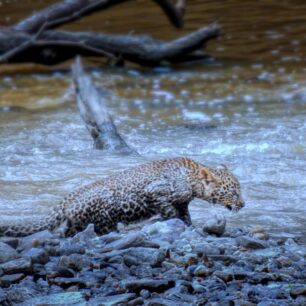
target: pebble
215 225
164 263
6 252
251 243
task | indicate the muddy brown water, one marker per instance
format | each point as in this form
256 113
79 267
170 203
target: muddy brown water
246 108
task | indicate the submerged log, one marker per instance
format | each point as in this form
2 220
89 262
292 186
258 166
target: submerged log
33 40
92 106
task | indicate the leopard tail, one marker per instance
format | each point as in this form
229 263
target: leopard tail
48 223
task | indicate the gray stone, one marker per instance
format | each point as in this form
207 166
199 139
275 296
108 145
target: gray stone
145 293
137 301
66 282
7 280
251 243
201 271
34 240
300 290
165 302
71 248
165 232
151 256
20 265
119 299
148 284
76 262
215 225
66 298
6 252
11 241
134 239
36 255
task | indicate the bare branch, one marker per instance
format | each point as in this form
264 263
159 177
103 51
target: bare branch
70 10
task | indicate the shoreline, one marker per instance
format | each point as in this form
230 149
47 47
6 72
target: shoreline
164 263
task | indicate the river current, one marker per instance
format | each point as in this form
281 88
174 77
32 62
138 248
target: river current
244 109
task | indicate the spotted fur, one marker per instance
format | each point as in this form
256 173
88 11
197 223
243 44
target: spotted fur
163 187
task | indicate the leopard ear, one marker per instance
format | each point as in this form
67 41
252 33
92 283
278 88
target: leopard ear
208 176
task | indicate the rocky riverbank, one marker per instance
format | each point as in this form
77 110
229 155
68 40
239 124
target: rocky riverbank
164 263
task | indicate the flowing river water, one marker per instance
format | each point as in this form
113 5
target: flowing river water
245 108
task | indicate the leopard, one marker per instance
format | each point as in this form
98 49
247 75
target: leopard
161 187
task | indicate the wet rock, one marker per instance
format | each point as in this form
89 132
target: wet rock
34 240
201 271
250 243
119 299
71 248
76 262
66 298
36 255
20 265
145 293
11 241
165 302
197 287
137 301
184 261
85 236
65 282
153 257
7 280
259 232
6 252
215 225
148 284
136 239
300 290
166 232
205 248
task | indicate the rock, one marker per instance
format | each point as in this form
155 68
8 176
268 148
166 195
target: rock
36 255
119 299
250 243
166 232
7 280
11 241
201 271
20 265
76 262
145 293
148 284
137 301
205 248
165 302
134 239
65 282
215 225
229 275
197 287
34 240
300 290
6 252
153 257
85 236
255 231
66 298
68 248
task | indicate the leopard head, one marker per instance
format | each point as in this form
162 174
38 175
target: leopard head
221 187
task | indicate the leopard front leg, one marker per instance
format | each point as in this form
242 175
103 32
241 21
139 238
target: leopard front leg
183 213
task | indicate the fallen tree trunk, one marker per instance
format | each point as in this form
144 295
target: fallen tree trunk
93 110
31 40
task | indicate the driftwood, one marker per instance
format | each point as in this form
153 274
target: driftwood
35 40
92 106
